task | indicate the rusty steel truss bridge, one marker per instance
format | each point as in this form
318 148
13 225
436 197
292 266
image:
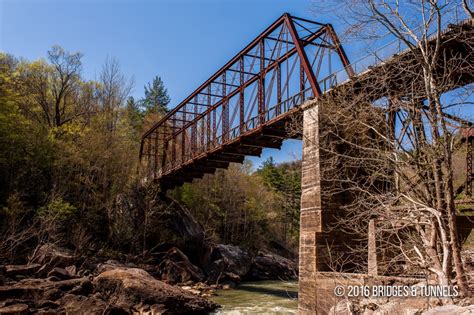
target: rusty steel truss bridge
248 103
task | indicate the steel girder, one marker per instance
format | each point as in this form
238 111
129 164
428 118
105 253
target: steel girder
255 89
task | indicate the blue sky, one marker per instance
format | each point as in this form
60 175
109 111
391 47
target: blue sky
183 41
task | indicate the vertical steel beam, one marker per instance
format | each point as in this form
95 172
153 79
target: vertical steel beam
261 84
225 109
183 135
165 151
303 57
340 51
183 145
278 108
202 132
214 118
173 147
194 129
208 130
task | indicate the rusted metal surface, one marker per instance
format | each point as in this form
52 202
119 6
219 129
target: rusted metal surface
467 132
245 106
242 107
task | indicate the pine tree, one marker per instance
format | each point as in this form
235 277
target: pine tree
135 117
271 174
156 97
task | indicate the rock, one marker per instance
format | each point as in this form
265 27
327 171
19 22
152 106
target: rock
23 270
342 308
269 266
72 270
180 220
450 310
60 273
280 249
173 216
36 289
191 290
15 309
135 288
176 268
229 263
47 307
109 265
200 288
77 304
50 256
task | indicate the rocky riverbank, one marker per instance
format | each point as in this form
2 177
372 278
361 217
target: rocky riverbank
57 281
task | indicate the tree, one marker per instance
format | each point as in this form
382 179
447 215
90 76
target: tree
66 147
271 174
285 180
54 88
135 117
402 177
114 91
235 206
156 97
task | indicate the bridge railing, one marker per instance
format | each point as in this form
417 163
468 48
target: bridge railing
250 125
452 14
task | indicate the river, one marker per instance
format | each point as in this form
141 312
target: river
263 297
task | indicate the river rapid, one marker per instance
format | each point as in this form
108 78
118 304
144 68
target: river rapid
263 297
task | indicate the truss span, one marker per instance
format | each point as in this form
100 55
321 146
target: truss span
244 107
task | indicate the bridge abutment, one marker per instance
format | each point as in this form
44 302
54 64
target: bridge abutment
315 216
320 244
310 215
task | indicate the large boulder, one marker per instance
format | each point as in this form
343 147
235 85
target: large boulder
135 289
229 264
174 219
51 256
280 248
176 268
117 291
270 266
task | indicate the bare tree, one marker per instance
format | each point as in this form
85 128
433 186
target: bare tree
387 139
114 92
